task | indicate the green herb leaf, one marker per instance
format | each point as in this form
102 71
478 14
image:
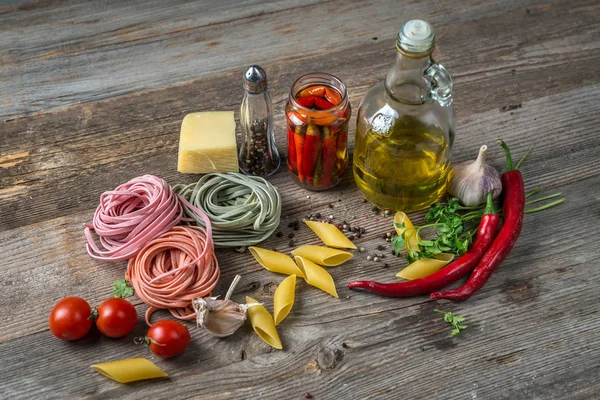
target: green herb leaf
123 288
454 320
398 243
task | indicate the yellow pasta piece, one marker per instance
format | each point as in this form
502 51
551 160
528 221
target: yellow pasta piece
283 299
317 276
330 235
322 255
425 266
275 261
263 324
410 237
129 370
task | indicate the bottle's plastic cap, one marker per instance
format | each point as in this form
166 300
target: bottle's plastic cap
416 37
255 79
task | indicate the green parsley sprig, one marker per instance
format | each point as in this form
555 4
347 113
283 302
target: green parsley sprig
455 320
123 288
452 232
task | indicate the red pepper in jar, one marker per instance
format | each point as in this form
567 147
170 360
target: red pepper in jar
308 102
318 174
313 91
299 139
321 104
292 157
333 96
328 156
341 139
312 142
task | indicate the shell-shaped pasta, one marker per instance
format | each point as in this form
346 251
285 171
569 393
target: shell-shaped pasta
330 235
425 266
275 261
283 299
317 276
263 324
129 370
410 238
321 255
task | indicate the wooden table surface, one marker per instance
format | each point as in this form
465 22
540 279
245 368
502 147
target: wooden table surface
93 94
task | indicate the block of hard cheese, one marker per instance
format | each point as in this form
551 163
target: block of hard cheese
207 143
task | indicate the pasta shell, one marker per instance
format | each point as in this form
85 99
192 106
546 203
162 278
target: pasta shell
425 267
322 255
283 299
411 243
330 235
263 324
317 276
129 370
275 261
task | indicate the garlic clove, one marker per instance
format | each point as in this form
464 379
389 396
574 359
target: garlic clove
471 181
221 318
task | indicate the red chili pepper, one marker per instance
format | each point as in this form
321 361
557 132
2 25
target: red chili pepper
308 102
322 104
514 209
299 139
445 276
312 143
328 156
292 157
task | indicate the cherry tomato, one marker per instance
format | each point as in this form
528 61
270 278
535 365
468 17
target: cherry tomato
116 318
168 338
70 318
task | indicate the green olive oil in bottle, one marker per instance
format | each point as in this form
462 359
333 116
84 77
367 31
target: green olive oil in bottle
405 128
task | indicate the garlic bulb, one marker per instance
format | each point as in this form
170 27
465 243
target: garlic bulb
221 318
471 181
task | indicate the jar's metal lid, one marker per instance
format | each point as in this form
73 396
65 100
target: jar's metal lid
416 37
255 79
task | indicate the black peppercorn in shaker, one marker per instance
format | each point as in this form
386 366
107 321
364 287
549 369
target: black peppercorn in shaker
258 153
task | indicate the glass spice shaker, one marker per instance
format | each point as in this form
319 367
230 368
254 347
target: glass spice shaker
258 152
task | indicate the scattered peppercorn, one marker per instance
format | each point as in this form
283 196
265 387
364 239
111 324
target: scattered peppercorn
296 227
363 230
308 395
279 234
318 215
291 243
375 209
380 247
291 235
330 205
386 265
364 200
351 237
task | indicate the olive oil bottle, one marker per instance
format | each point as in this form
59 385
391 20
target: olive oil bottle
405 128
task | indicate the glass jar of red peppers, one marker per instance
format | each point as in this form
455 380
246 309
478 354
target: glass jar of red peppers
317 114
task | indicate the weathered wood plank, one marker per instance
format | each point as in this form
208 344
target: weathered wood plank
533 332
95 147
101 50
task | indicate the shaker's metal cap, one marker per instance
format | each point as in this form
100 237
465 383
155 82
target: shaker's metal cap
255 79
416 37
